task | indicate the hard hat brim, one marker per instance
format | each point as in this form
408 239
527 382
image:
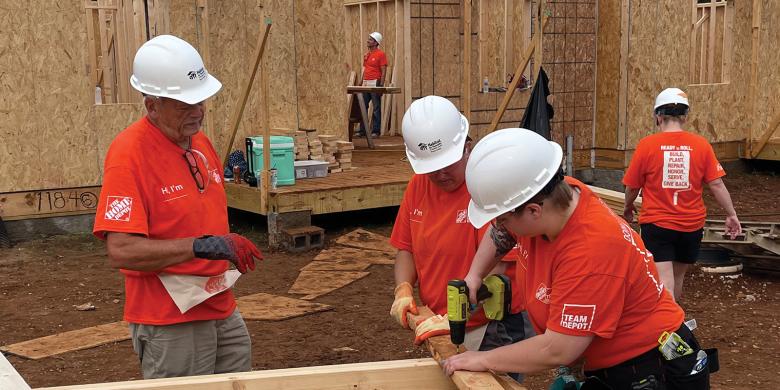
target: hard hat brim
206 90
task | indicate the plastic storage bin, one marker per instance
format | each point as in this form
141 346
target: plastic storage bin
282 158
308 169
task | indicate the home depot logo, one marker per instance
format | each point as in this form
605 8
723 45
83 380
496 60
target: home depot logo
216 284
118 208
462 216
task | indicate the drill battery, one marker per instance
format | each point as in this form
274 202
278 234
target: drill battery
673 346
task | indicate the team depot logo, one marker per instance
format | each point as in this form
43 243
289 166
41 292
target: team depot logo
462 216
543 294
118 208
577 317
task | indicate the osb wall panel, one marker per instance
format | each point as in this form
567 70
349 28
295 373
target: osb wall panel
321 74
608 74
107 120
182 17
492 41
44 127
235 28
768 96
719 112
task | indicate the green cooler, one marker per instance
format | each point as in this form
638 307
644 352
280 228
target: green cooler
282 158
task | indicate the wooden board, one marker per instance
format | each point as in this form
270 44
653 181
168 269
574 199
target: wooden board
370 256
442 348
337 265
315 283
74 340
360 238
267 307
412 374
40 204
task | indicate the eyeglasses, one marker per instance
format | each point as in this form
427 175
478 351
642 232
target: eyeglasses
195 171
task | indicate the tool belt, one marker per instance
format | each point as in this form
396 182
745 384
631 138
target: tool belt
651 370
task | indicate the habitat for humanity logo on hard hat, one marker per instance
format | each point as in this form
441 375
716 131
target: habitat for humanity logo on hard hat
200 74
432 147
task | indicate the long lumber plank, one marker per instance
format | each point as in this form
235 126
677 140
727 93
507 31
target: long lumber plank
411 374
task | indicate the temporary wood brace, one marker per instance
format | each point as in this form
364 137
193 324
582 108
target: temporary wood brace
239 112
412 374
529 51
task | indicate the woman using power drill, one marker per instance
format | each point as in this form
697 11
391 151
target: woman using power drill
591 288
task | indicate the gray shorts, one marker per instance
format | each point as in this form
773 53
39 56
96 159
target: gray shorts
193 348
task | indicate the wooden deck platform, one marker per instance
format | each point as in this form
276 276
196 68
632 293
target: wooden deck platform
378 180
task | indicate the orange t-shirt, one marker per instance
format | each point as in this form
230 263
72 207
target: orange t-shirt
148 190
433 225
671 168
373 61
597 279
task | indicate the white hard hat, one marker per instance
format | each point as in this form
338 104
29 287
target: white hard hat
168 66
671 96
434 133
377 37
506 169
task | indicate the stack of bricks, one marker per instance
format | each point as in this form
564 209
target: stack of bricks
344 154
315 146
328 151
301 145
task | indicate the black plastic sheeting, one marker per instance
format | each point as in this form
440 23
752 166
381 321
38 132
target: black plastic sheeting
539 112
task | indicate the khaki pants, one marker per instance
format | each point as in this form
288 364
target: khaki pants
193 348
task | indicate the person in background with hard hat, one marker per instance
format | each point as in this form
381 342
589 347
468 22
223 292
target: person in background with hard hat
163 214
592 290
374 69
434 238
670 168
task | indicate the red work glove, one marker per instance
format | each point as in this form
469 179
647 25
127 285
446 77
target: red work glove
232 247
403 303
436 325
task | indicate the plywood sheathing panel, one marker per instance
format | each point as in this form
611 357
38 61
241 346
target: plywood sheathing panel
234 32
719 112
108 120
360 238
320 65
367 255
267 307
70 341
45 133
608 74
315 283
768 99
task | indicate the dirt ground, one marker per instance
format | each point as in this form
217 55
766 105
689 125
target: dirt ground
42 280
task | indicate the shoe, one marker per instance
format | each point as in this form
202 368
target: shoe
375 135
360 134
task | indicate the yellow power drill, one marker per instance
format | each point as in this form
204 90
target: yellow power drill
495 295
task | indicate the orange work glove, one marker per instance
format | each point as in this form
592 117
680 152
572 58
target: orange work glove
436 325
403 303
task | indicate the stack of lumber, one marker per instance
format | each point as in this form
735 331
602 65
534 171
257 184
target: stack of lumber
329 151
301 145
344 154
315 146
615 200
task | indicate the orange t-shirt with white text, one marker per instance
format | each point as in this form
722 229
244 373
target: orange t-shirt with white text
671 168
597 279
433 225
148 190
